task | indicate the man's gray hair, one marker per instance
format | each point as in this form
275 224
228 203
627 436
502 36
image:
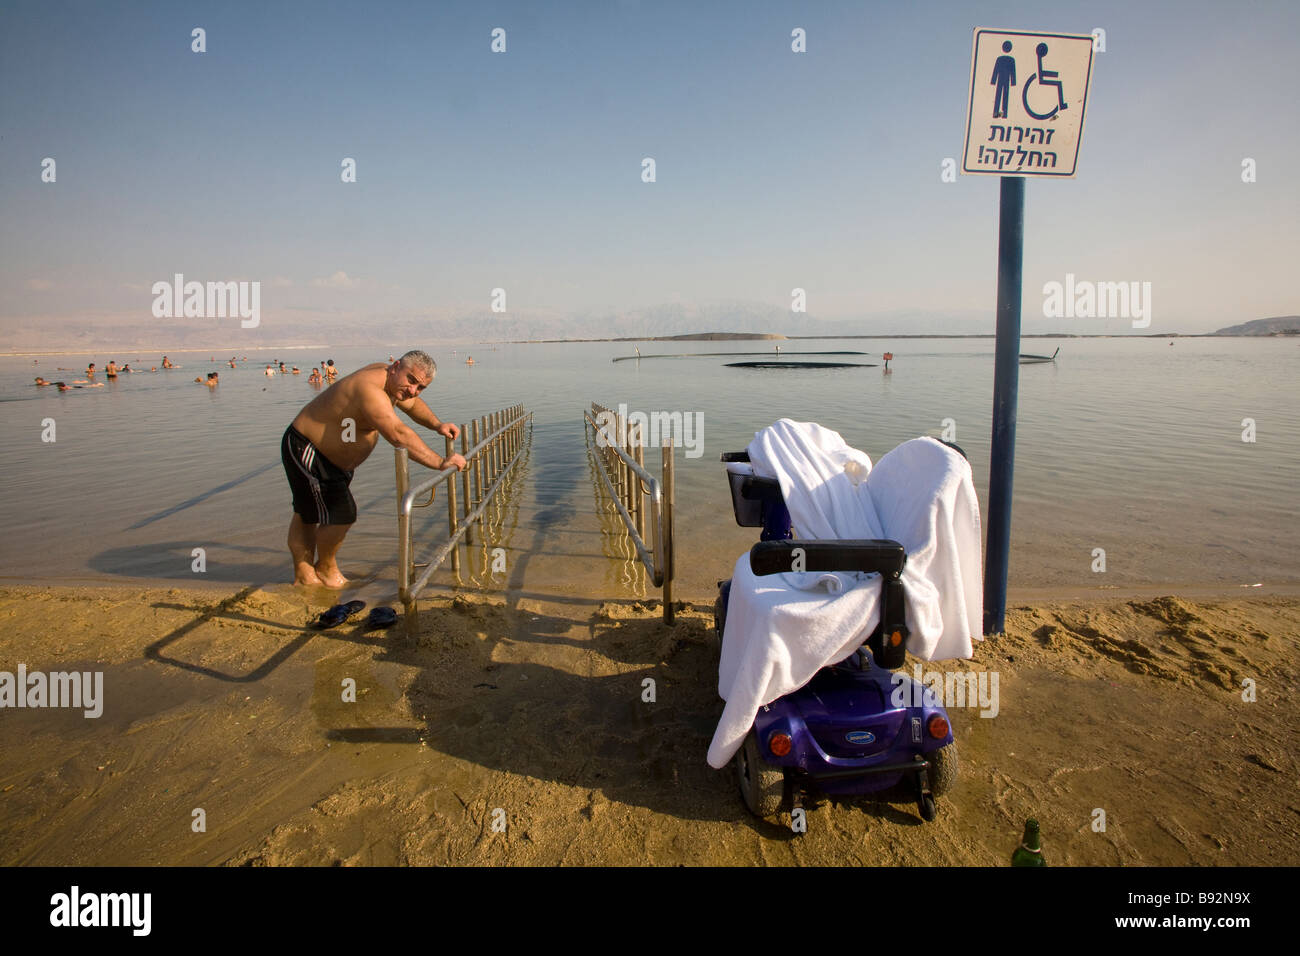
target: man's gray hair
420 361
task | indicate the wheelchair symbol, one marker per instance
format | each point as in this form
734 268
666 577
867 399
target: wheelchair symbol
1044 77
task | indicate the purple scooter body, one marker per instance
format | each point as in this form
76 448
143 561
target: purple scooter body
847 736
855 728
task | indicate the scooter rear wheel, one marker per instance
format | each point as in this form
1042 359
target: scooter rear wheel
943 769
762 786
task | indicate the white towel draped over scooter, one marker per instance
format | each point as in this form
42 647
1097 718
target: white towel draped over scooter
783 628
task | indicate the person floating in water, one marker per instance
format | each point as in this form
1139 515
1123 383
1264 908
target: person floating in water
166 363
1004 77
111 370
320 456
314 378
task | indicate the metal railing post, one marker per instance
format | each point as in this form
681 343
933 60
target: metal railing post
405 567
638 454
623 471
451 509
478 465
668 520
464 483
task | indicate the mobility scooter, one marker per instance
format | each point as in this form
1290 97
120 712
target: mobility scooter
844 732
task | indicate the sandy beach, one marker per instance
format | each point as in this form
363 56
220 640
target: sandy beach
527 710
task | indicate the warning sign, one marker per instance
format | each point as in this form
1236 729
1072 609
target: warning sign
1028 93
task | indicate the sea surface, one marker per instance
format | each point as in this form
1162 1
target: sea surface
1128 446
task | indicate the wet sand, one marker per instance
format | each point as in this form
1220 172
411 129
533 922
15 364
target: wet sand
528 710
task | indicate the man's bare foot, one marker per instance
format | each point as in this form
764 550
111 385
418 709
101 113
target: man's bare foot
331 577
305 575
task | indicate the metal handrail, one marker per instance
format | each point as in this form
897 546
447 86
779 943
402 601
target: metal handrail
509 433
660 563
652 488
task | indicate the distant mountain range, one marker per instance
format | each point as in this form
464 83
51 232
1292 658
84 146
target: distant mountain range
287 328
290 328
1279 325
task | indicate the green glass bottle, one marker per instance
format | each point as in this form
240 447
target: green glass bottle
1030 851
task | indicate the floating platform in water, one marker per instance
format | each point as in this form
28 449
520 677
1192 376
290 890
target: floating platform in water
634 358
1038 359
781 364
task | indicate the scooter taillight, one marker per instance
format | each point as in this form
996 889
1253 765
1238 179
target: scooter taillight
937 726
779 744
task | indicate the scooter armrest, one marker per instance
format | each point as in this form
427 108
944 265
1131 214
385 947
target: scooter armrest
874 554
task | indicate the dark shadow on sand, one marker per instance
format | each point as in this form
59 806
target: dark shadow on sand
224 610
591 733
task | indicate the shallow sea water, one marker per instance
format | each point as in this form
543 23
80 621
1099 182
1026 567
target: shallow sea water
1133 446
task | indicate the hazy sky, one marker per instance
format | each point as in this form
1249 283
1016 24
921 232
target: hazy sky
522 169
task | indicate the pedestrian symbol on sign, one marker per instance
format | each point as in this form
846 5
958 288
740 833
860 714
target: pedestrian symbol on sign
1004 77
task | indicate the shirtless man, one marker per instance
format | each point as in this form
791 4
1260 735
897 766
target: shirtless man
320 451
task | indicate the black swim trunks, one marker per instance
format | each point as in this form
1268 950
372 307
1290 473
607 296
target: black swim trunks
320 487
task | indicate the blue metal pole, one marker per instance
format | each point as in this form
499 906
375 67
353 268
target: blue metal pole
1006 382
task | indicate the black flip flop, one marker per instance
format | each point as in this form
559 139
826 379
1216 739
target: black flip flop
381 617
338 614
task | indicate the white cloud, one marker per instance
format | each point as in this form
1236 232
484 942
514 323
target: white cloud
339 280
